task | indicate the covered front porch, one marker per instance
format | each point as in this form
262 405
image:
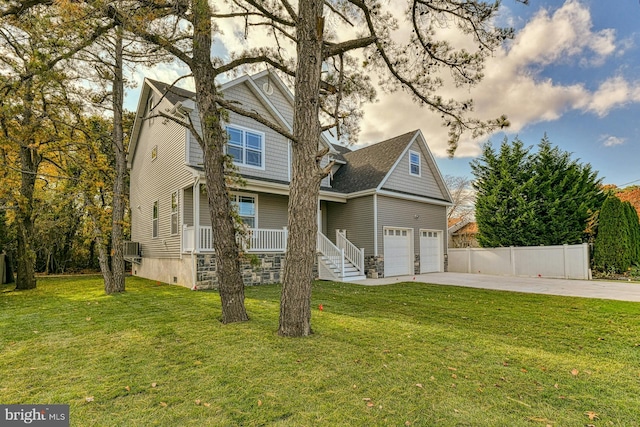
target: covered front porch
264 216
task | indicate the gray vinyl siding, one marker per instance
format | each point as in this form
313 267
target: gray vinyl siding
157 179
278 99
276 158
272 210
355 216
424 185
393 212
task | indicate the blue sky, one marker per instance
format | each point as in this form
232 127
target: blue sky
572 72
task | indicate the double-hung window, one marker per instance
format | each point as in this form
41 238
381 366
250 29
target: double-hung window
174 213
246 146
246 206
154 220
414 163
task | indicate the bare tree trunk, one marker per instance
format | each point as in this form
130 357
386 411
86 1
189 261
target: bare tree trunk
117 256
213 140
295 303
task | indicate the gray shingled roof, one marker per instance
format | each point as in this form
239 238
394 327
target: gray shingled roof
368 166
173 94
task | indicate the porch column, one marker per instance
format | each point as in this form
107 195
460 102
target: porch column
196 215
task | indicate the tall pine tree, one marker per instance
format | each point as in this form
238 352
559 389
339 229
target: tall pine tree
612 246
525 199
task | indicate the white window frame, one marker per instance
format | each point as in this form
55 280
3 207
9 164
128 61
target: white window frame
244 131
175 213
235 196
155 215
418 164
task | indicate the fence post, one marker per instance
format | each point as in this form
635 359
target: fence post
512 255
468 259
566 260
586 258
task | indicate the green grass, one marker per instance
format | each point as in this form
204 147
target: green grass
406 354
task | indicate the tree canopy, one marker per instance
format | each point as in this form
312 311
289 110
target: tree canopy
528 199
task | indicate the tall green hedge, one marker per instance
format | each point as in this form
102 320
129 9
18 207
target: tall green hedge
634 233
612 247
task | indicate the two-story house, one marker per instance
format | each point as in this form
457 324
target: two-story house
381 212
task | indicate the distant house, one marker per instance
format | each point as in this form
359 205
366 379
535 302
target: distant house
463 233
381 212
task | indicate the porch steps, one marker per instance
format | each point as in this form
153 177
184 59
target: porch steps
351 273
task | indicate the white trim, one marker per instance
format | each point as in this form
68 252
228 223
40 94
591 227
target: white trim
414 198
177 213
404 152
255 204
289 160
187 146
417 153
375 224
244 131
261 96
439 177
196 213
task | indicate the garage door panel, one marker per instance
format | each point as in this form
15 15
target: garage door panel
398 259
430 251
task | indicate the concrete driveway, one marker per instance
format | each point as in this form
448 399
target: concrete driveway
616 290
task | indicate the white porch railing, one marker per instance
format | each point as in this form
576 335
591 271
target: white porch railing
332 253
354 254
256 239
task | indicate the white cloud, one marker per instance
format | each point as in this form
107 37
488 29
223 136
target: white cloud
513 86
611 141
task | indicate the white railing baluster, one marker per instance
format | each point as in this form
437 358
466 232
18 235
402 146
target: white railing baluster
354 254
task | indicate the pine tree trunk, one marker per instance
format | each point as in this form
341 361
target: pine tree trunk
117 222
213 141
295 303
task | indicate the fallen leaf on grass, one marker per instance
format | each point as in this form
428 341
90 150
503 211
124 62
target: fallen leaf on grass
366 399
419 385
452 369
207 404
127 388
592 415
556 385
89 399
574 372
454 376
407 423
370 404
88 319
197 362
154 385
163 404
198 402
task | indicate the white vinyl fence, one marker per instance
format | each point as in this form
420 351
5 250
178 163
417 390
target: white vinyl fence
565 262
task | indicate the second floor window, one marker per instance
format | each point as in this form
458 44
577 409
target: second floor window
246 147
414 163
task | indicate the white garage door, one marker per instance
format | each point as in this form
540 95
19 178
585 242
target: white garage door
398 259
430 247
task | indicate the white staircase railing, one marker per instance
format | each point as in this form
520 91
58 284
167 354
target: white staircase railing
354 254
334 254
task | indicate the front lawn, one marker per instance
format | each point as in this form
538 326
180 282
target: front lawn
406 354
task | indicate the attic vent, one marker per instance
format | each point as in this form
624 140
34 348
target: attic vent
267 88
